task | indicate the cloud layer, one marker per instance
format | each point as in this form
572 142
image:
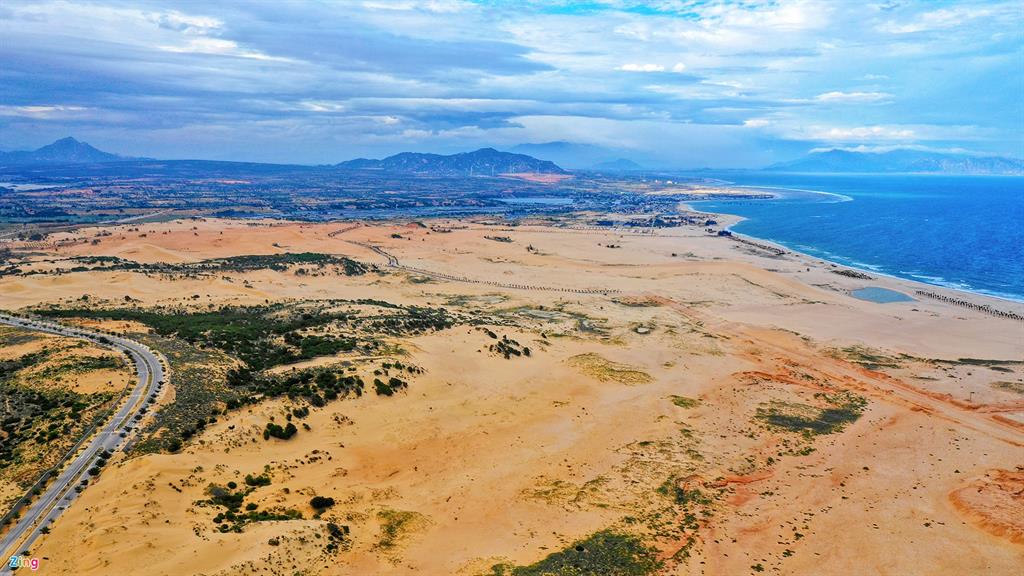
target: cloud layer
675 82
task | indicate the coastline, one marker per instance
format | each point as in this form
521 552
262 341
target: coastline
731 220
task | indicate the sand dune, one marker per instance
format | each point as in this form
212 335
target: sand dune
667 385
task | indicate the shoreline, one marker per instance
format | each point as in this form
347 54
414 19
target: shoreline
736 219
733 219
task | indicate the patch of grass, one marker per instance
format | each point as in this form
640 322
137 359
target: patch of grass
552 491
198 377
604 553
207 380
275 334
683 496
684 402
842 409
38 424
992 364
233 518
638 301
1015 387
247 332
395 525
866 357
605 370
81 364
311 261
15 337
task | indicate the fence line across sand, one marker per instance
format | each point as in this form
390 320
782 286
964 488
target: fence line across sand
979 307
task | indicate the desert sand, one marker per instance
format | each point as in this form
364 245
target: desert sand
656 357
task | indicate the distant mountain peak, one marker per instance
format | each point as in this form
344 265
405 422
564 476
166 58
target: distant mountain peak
67 150
618 165
482 162
901 160
579 155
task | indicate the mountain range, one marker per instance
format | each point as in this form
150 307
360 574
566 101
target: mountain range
901 160
488 161
63 151
482 162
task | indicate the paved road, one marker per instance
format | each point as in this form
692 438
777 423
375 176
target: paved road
70 227
61 491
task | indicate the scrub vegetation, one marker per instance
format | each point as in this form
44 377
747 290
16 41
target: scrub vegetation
603 553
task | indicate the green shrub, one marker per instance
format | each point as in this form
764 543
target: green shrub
276 431
321 502
261 480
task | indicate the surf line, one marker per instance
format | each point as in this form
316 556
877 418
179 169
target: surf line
841 197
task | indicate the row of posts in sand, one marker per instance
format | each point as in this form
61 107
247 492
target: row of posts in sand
979 307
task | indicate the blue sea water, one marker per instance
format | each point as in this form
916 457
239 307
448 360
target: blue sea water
964 232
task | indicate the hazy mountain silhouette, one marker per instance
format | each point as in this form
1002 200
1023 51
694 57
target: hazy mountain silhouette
902 160
617 165
63 151
482 162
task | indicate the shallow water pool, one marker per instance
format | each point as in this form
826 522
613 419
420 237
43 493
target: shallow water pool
880 295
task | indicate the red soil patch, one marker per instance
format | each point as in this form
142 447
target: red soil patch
994 504
747 479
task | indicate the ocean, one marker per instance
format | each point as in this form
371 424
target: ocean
963 232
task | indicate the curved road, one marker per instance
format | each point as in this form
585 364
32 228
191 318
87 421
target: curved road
61 491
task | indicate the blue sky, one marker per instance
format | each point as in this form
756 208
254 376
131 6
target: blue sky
678 83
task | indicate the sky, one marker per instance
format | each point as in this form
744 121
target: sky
670 83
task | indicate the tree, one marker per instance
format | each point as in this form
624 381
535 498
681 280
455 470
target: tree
277 431
321 502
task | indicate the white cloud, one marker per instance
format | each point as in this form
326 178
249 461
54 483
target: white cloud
852 96
938 19
891 147
751 70
641 68
190 24
40 111
795 126
436 6
860 133
693 92
219 47
322 106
